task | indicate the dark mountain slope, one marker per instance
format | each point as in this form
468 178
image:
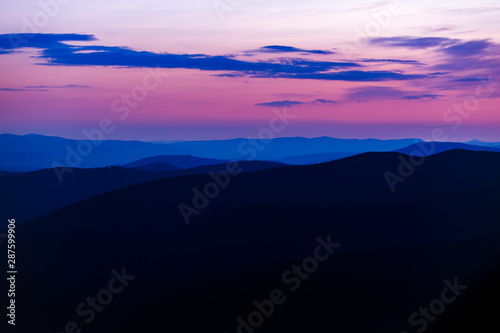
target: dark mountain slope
357 180
179 161
430 148
156 167
204 276
316 158
396 249
29 195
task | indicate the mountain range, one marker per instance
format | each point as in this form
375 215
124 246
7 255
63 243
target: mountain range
393 249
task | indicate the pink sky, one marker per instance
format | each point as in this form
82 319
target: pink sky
401 96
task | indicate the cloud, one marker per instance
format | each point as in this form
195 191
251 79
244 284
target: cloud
438 73
324 101
412 42
473 79
57 53
21 89
472 63
372 93
230 75
385 93
284 49
42 88
453 47
394 60
278 104
424 96
468 48
479 54
57 87
16 41
288 103
356 76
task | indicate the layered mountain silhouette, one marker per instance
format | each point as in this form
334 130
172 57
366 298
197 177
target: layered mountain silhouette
482 143
432 147
176 161
316 158
33 152
394 249
7 173
355 180
42 191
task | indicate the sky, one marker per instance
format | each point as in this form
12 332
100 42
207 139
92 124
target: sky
219 69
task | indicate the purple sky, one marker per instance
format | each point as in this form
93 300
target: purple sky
171 70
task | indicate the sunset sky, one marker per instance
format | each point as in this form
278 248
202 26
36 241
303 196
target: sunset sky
216 69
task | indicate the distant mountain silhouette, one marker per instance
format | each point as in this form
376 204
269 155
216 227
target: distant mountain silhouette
396 249
7 173
179 161
32 194
315 158
430 148
38 152
354 180
280 148
483 143
156 166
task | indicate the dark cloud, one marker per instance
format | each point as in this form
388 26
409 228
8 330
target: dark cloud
284 49
356 76
438 73
278 104
452 47
424 96
320 100
42 41
230 75
473 79
21 89
468 48
55 52
288 103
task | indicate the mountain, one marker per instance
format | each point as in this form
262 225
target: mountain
156 167
315 158
430 148
381 255
39 152
279 148
484 144
7 173
32 194
345 181
179 161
